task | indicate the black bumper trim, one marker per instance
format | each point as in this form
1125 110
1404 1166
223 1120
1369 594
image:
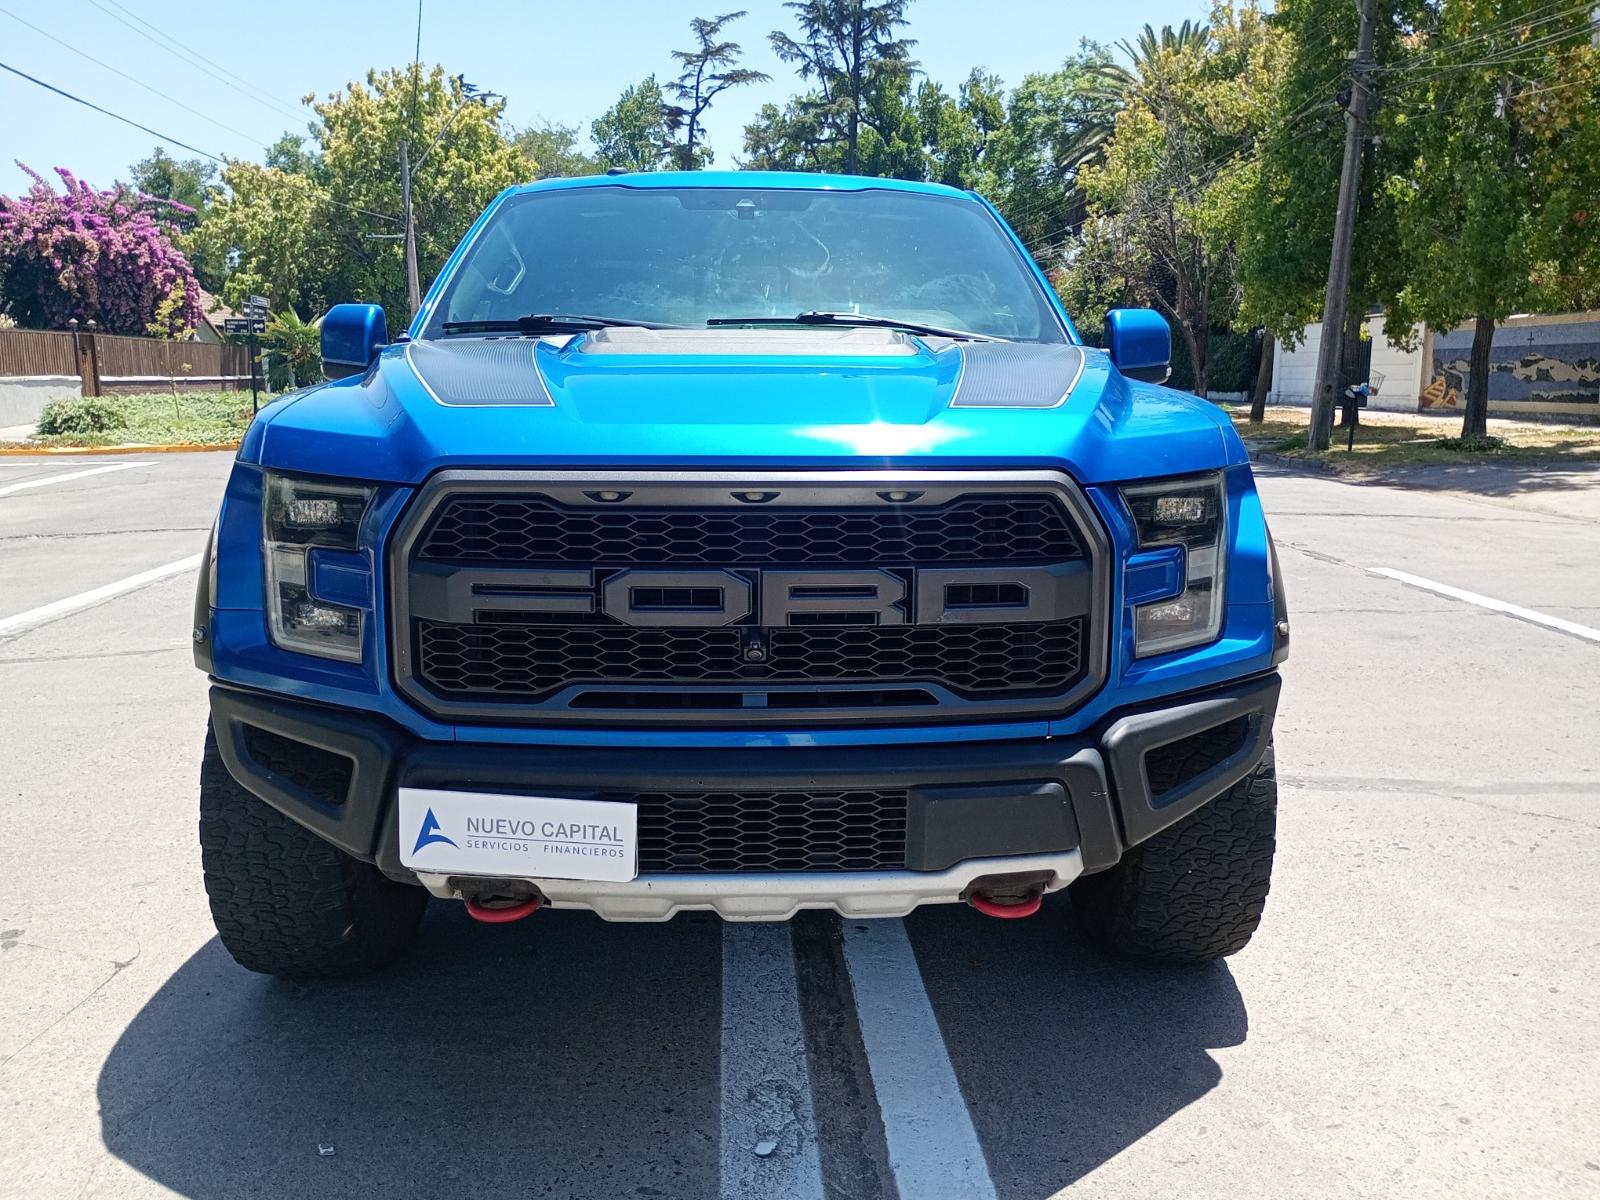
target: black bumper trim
967 800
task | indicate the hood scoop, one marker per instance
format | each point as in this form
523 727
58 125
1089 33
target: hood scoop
750 343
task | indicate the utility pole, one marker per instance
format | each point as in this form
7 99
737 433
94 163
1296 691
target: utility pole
1329 351
413 287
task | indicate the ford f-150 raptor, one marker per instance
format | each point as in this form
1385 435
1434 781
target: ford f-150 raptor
743 542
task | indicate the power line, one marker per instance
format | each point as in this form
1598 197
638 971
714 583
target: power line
159 136
50 87
194 59
137 82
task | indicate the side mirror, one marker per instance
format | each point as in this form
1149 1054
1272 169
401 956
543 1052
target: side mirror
1139 341
352 335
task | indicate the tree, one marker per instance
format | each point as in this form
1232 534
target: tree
165 178
635 133
551 150
845 46
710 69
1055 124
184 187
1286 222
90 255
1176 174
1489 218
301 231
274 224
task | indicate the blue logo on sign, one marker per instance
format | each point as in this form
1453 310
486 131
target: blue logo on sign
431 832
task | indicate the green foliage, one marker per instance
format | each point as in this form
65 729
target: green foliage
147 419
1286 227
1054 124
1165 204
636 132
1488 218
297 229
551 151
81 415
860 68
299 345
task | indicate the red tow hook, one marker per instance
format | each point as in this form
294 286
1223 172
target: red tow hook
1006 912
502 914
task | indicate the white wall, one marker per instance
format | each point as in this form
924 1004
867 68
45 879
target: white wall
1294 372
22 398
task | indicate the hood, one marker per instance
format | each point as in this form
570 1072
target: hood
761 398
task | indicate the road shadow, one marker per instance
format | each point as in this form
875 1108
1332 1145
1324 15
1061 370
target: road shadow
557 1057
1066 1059
1501 479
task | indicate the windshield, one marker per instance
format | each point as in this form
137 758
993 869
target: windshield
686 256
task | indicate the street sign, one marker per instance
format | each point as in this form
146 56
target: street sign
243 326
258 302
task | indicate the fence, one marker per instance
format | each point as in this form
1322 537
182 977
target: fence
104 362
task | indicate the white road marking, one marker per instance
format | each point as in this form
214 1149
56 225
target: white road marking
933 1148
70 475
1500 606
10 626
769 1127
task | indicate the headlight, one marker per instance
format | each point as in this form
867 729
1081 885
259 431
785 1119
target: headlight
302 515
1192 513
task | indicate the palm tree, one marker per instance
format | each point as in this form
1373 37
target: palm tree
1113 83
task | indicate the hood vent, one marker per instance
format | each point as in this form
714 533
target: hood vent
480 371
1017 375
751 343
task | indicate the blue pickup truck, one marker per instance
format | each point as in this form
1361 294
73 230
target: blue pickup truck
740 542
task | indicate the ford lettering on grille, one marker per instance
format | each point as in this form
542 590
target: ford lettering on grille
668 602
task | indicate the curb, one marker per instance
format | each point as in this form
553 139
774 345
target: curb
36 451
1293 464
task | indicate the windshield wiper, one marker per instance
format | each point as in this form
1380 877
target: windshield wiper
551 323
859 320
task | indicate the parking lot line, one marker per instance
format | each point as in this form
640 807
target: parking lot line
933 1147
10 626
1500 606
69 476
768 1125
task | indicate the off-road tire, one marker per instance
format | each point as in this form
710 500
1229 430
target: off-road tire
1195 891
284 901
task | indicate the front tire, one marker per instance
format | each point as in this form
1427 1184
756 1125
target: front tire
1195 891
284 901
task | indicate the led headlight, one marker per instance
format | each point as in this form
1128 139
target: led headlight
1191 513
300 516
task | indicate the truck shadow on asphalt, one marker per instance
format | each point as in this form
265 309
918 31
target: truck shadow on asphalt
566 1057
1066 1058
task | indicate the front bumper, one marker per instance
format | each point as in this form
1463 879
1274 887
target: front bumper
981 816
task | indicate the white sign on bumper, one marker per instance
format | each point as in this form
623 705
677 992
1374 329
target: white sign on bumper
523 837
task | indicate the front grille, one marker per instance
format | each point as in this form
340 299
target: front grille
529 662
687 832
934 596
535 530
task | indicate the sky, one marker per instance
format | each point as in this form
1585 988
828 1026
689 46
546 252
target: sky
565 62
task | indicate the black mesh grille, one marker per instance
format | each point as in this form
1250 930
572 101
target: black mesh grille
318 772
535 531
687 832
527 662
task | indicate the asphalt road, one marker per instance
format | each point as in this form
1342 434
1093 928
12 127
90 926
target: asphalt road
1419 1015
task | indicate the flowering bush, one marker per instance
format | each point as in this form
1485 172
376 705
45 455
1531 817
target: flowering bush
94 255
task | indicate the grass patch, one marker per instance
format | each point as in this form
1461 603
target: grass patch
1385 439
146 419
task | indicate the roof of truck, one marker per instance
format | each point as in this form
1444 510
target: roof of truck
803 180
